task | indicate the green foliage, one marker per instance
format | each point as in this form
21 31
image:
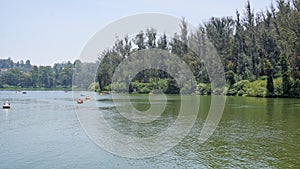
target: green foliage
239 88
230 76
203 89
83 74
295 92
172 87
60 76
269 72
278 87
286 84
94 87
162 85
107 88
9 64
258 50
143 88
257 88
119 87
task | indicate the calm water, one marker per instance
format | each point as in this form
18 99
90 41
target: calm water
41 130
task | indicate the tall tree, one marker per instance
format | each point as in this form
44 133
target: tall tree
163 42
269 72
286 86
151 38
34 76
140 40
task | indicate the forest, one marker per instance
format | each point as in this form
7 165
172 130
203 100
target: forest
260 52
20 75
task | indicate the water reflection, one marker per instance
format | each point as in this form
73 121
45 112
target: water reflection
6 111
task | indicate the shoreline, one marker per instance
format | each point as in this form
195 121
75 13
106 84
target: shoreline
70 89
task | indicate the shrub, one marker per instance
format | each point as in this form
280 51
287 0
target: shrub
257 88
145 90
239 88
203 89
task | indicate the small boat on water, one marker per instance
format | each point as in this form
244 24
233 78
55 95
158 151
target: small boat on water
87 97
79 101
24 92
6 105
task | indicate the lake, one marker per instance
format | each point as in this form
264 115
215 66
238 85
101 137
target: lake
41 130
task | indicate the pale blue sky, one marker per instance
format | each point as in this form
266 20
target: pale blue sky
51 31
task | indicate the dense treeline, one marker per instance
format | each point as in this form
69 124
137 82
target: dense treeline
8 64
60 75
20 75
260 53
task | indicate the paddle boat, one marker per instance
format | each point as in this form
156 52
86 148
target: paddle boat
6 105
79 101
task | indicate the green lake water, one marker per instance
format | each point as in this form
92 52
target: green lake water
41 130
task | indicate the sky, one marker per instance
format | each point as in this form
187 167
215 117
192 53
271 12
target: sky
54 31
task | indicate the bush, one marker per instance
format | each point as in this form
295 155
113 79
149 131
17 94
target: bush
239 88
145 90
94 87
163 85
257 88
119 87
107 88
203 89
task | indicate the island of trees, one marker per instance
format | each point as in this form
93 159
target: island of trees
260 53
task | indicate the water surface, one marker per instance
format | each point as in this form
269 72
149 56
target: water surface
41 130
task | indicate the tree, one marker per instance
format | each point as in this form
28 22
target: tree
230 76
269 72
220 33
184 36
140 41
13 77
65 75
250 41
151 36
27 65
163 42
46 76
179 43
286 86
34 76
109 60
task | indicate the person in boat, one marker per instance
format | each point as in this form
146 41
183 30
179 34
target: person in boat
79 101
6 105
